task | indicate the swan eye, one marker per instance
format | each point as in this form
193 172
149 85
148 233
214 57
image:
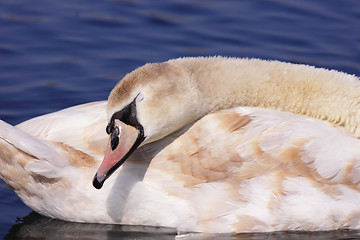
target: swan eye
139 97
115 138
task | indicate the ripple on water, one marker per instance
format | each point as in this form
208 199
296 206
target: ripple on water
54 54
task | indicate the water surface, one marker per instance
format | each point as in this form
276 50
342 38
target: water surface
55 54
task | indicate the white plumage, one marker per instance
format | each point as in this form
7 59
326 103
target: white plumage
240 169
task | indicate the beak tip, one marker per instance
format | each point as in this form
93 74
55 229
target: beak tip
96 183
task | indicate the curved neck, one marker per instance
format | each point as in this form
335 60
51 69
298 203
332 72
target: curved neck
319 93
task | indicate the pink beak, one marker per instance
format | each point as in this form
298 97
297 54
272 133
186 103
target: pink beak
116 153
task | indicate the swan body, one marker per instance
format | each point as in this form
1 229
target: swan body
221 145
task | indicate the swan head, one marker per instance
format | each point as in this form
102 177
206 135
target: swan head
146 105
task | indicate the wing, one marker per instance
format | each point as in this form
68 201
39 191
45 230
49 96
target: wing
51 159
81 127
250 169
45 145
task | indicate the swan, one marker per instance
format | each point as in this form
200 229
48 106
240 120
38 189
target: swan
205 144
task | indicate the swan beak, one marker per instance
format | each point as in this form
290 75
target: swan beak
122 142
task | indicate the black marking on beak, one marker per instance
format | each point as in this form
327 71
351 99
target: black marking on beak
96 183
128 115
115 138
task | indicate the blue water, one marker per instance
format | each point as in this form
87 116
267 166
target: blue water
55 54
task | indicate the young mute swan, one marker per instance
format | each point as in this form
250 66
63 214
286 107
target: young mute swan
199 144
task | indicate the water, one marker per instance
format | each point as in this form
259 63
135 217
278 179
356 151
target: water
55 54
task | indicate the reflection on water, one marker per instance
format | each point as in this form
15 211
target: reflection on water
35 226
56 54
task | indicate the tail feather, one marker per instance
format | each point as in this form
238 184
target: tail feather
38 148
26 160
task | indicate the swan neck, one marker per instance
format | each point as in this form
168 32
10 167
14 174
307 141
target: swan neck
315 92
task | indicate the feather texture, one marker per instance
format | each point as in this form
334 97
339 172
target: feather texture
241 169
